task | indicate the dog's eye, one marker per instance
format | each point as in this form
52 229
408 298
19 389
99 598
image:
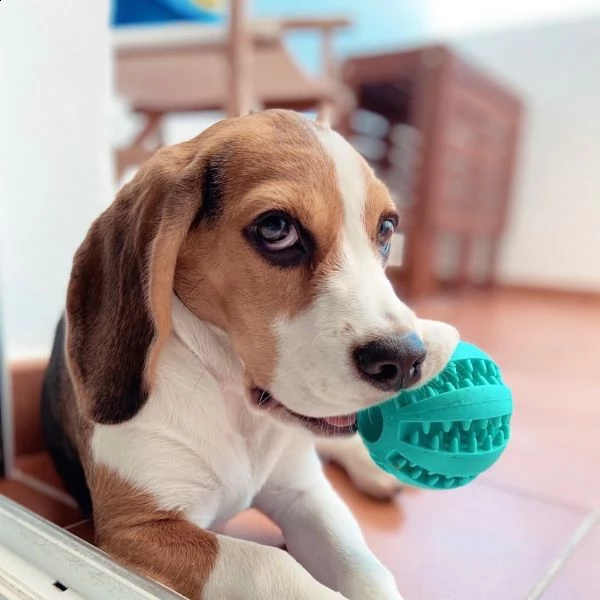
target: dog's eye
280 239
277 233
385 233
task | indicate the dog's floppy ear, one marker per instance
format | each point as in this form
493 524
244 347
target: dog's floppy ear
119 295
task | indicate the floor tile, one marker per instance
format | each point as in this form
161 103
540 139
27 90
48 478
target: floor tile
39 503
554 449
83 530
558 338
472 543
579 578
40 466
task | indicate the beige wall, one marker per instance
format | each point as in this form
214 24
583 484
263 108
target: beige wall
55 167
554 236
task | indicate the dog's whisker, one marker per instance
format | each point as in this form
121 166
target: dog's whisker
265 396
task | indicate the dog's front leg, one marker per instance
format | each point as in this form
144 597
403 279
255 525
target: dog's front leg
202 565
319 529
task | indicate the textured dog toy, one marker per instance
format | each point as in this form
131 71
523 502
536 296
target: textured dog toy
446 433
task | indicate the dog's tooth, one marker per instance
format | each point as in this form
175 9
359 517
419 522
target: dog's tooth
436 442
499 439
487 445
449 482
484 423
426 426
446 426
433 479
497 421
415 438
466 425
467 365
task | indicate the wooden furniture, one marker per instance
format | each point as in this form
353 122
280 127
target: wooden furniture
443 135
191 68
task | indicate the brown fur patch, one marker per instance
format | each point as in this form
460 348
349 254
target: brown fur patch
159 544
222 279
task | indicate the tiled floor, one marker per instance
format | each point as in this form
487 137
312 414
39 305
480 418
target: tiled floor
40 503
527 529
575 579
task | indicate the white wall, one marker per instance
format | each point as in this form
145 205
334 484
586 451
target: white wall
445 17
55 172
554 235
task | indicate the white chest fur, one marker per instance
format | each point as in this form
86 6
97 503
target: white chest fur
195 446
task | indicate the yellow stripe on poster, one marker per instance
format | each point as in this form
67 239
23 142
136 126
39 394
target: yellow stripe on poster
212 5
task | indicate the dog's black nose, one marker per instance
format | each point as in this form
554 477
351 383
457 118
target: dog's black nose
391 363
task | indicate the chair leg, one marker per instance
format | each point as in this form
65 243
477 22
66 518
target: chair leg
151 128
466 249
139 151
421 252
240 51
325 107
491 274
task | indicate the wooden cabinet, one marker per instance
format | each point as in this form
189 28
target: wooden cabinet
443 135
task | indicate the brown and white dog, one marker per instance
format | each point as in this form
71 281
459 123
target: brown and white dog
226 311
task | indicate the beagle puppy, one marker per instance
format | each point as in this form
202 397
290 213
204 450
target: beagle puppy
225 312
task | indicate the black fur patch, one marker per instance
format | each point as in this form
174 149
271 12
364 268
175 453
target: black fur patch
212 193
112 330
59 416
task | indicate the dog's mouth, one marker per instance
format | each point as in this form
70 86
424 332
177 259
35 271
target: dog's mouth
335 426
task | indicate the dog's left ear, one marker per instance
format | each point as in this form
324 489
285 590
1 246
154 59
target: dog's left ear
119 295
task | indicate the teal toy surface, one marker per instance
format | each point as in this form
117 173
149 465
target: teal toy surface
443 434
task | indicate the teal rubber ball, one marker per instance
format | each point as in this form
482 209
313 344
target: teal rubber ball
447 432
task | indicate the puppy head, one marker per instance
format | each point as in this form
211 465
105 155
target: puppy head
276 231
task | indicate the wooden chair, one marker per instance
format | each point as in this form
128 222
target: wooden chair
192 68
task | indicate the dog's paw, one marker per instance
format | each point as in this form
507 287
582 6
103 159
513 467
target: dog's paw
371 585
371 480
